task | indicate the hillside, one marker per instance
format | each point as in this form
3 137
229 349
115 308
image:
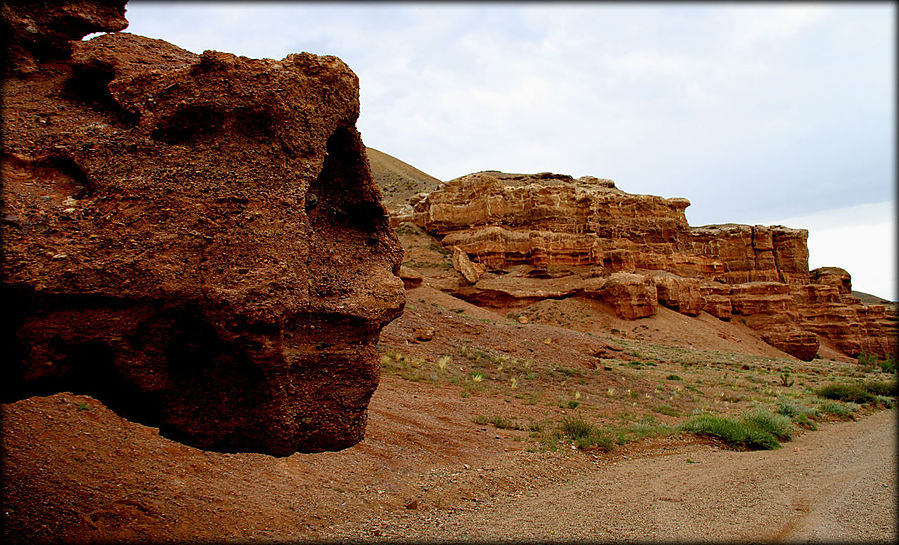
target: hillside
398 181
868 299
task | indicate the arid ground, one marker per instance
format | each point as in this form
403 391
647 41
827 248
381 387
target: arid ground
434 464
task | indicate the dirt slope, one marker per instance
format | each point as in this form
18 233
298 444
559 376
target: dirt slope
398 180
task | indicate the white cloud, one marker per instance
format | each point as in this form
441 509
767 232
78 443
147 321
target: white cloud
860 239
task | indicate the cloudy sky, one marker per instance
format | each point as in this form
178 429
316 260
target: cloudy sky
757 113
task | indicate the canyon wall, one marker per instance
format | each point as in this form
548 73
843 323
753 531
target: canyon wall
195 240
551 235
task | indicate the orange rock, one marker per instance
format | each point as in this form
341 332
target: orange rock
678 293
586 229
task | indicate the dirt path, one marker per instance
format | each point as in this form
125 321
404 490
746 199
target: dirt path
836 484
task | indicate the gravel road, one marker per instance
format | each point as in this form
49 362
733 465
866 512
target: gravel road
834 485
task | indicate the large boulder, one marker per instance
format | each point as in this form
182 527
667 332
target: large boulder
631 295
193 239
678 293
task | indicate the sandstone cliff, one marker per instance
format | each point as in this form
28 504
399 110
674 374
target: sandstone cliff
193 239
554 236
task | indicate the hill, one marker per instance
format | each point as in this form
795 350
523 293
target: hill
398 181
868 299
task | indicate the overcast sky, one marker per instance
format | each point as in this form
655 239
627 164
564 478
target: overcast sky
757 113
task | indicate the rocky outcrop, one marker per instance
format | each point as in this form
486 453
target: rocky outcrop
828 308
471 272
631 295
678 293
551 235
193 239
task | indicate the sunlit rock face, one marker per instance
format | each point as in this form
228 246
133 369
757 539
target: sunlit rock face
193 239
551 235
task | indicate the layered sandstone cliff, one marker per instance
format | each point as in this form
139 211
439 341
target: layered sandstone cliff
193 239
550 235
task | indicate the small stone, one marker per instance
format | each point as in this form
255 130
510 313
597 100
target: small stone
522 319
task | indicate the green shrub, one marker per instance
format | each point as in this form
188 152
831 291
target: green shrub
777 425
867 361
882 388
793 409
857 392
731 431
888 365
577 428
673 377
847 391
835 408
804 421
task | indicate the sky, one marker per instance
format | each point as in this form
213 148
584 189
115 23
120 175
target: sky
768 113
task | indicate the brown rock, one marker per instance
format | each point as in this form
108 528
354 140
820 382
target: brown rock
410 277
199 244
36 34
678 293
549 235
423 333
631 295
471 272
832 276
716 299
794 341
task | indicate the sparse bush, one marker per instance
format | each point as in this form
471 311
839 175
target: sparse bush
573 404
867 361
577 428
776 424
883 388
836 408
785 379
731 431
858 392
673 377
791 408
667 410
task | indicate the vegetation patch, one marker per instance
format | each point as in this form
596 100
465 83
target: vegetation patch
836 408
758 430
858 392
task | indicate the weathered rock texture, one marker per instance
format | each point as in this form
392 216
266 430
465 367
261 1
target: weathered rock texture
550 235
193 239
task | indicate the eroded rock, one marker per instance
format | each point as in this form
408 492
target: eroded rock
552 236
198 241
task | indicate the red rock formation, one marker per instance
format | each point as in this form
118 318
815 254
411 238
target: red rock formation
631 295
678 293
195 240
550 235
828 309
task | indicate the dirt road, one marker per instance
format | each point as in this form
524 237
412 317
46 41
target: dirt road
836 485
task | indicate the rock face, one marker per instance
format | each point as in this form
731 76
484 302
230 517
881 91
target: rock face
550 235
194 240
